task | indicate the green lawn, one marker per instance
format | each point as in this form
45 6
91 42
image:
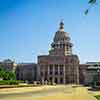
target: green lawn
98 97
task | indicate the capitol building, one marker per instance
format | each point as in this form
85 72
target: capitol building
60 66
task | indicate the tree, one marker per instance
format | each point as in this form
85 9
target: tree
91 3
1 68
7 75
2 73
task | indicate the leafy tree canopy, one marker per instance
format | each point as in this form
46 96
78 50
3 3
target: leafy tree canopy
7 75
91 2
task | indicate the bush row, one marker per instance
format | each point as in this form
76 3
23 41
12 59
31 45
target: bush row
9 82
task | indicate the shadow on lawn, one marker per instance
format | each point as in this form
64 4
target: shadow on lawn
94 89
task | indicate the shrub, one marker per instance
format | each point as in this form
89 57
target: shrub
9 82
98 97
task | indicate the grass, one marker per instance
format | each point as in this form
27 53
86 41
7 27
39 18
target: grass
98 97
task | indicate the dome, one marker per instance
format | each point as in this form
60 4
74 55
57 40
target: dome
61 44
60 35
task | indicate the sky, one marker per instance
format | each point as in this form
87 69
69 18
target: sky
27 28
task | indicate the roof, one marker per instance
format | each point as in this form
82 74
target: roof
93 63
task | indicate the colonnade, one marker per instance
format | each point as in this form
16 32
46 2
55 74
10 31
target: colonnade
56 74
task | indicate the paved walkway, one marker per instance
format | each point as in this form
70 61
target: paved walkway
46 93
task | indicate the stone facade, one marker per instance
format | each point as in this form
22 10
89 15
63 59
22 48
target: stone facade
26 72
82 73
89 73
61 66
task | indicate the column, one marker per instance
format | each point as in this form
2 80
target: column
43 72
64 80
38 73
48 73
53 76
42 81
77 74
48 70
58 74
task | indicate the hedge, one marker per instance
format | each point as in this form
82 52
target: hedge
9 82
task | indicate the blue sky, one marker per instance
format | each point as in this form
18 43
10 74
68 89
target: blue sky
27 28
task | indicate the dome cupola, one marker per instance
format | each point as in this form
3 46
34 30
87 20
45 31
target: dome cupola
61 43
